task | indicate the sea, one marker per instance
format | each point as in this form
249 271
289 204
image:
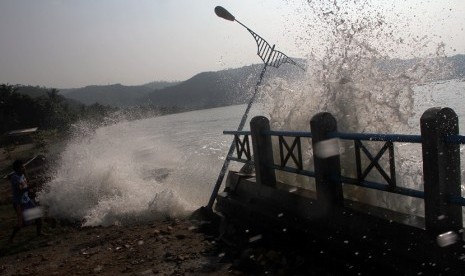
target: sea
138 170
167 166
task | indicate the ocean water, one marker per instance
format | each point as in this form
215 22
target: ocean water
140 170
167 166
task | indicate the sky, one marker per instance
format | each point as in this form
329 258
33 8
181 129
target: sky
74 43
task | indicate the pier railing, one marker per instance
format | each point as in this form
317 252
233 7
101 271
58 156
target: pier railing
440 142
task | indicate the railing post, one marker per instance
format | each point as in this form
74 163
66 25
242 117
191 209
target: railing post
441 170
262 151
327 170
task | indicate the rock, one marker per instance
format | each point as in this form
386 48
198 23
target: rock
274 256
180 236
146 272
98 269
192 228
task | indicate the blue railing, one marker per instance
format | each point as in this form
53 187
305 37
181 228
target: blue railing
376 137
439 141
356 137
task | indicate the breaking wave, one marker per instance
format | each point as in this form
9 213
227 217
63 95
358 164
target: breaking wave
351 75
166 166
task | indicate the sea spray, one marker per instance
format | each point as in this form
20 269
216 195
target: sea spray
140 170
102 179
166 166
350 45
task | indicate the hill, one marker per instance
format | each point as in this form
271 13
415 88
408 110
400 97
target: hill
226 87
214 89
114 95
453 67
160 84
204 90
37 92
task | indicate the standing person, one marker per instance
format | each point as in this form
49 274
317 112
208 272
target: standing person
21 200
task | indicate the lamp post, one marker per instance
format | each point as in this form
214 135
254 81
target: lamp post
270 57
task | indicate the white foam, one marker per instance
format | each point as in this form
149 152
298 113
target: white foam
347 43
141 170
166 166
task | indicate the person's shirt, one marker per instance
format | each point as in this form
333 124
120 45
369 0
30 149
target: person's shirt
19 188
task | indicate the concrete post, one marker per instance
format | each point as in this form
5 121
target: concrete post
262 151
327 170
441 170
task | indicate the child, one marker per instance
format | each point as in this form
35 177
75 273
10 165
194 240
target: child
21 200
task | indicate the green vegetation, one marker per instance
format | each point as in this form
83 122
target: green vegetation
28 106
48 111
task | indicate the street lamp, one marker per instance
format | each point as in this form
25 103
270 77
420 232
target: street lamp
270 57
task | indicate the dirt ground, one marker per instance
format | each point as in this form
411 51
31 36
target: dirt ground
159 248
169 247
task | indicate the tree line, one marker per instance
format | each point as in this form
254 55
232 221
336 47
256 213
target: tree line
48 110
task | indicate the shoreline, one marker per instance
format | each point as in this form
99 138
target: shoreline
170 247
160 247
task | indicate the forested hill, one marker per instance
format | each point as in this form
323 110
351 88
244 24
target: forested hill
114 95
208 89
48 108
204 90
221 88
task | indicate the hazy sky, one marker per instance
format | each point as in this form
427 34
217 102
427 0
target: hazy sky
73 43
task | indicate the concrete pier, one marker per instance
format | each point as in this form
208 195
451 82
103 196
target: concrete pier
373 239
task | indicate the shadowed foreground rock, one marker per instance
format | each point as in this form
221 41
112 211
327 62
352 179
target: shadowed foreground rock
161 248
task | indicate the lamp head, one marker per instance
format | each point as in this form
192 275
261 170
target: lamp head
223 13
